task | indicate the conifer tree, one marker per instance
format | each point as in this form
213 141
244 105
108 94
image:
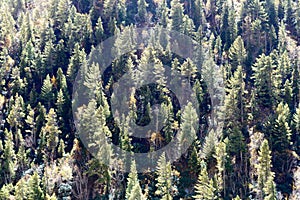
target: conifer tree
176 14
164 178
204 189
51 132
21 189
60 103
17 84
197 13
133 189
163 12
31 124
263 75
9 158
189 126
235 100
266 188
5 191
35 190
99 31
159 73
296 125
237 53
47 93
221 157
16 113
77 59
281 133
142 11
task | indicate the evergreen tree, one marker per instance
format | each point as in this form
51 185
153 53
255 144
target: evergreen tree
142 11
159 73
164 178
266 189
51 132
176 14
9 158
204 189
133 189
197 13
189 125
76 61
235 100
280 132
221 157
31 124
21 189
163 14
264 75
16 113
237 53
47 93
35 190
99 31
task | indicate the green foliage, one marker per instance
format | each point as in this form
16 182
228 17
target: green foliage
165 179
176 14
35 190
265 182
204 189
133 189
237 53
47 93
50 132
252 44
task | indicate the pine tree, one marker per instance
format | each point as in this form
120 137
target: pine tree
35 190
167 119
204 189
31 124
221 157
280 131
189 126
133 189
188 69
47 93
76 61
228 30
176 14
9 158
263 75
60 103
237 53
159 73
21 189
296 125
51 132
265 176
163 12
164 178
235 100
99 32
108 8
5 192
142 11
17 84
197 13
61 80
288 15
16 113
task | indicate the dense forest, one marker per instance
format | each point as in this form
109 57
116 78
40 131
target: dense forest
252 45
